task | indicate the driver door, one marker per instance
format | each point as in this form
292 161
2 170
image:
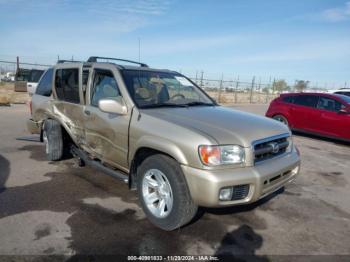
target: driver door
106 133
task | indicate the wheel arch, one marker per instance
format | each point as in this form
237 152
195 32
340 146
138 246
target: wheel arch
65 131
148 150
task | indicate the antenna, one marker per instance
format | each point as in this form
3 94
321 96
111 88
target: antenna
139 50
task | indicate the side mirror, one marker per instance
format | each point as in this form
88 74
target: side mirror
115 106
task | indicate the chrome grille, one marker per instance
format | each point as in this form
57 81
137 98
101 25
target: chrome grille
270 147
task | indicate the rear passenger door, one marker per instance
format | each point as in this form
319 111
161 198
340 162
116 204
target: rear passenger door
42 97
68 104
305 113
106 133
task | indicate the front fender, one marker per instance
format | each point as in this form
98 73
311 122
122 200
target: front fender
162 145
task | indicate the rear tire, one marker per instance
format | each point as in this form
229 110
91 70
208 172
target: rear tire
53 139
160 180
281 119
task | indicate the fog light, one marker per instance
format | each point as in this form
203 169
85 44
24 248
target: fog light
225 193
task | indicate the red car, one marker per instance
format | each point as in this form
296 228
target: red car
317 113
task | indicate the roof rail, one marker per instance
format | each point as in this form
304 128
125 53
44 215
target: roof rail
68 61
94 59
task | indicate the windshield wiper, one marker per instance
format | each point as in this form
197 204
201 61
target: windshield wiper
198 103
162 105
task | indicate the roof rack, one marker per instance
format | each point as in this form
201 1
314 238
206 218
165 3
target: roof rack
94 59
68 61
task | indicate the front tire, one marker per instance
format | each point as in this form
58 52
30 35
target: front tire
53 139
163 193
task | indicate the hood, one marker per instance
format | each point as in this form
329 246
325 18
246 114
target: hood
225 125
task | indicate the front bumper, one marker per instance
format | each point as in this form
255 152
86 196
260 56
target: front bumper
263 179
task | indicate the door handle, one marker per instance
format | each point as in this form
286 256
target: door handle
87 112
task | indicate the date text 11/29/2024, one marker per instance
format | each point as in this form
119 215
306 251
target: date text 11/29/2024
173 258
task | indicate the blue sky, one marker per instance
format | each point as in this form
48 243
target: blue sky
297 39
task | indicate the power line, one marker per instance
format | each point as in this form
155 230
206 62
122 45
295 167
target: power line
32 64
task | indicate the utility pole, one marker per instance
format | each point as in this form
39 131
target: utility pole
201 83
251 90
17 65
220 87
237 83
139 50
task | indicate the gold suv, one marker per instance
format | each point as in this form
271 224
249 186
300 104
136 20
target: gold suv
163 135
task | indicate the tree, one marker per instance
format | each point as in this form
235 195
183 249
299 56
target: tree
280 85
301 85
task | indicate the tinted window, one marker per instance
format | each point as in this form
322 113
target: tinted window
288 99
35 75
306 100
329 104
44 87
67 85
104 86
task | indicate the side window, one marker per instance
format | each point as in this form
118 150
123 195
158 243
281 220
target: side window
104 86
288 99
329 104
306 100
67 85
44 87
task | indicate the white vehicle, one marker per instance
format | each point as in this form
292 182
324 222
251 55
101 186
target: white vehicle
34 77
341 91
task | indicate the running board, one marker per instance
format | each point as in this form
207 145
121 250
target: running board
98 165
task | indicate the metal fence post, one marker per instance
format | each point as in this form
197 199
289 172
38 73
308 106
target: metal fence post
201 83
268 91
237 83
220 87
251 90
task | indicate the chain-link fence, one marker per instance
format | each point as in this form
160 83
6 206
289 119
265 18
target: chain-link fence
235 91
222 90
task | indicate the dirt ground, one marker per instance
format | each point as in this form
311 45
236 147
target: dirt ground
58 208
9 96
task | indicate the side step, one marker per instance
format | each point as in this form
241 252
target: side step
98 165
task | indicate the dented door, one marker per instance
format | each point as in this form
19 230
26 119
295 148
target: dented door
106 134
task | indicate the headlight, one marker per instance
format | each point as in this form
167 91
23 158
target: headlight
221 155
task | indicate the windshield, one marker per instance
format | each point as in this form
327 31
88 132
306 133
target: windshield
150 89
346 98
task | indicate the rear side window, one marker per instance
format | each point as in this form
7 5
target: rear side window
67 85
288 99
44 87
306 100
329 104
